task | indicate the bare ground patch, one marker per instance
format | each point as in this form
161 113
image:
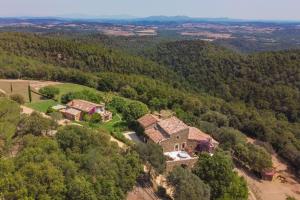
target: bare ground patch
284 184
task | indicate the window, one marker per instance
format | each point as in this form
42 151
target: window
176 147
183 145
177 136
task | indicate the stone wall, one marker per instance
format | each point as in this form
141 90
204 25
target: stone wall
180 139
192 144
189 163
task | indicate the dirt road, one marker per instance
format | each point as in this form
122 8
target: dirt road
284 183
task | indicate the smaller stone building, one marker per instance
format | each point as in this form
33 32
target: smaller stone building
76 108
72 114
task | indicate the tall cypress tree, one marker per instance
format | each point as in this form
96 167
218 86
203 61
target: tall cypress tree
29 93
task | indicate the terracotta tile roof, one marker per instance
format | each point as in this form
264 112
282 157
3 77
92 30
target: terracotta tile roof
172 125
147 120
198 135
154 135
71 111
83 105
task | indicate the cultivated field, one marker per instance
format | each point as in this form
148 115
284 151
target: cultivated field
21 87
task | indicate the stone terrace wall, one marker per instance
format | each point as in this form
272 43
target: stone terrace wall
188 162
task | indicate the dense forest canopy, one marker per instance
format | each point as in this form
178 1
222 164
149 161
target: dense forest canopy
268 80
207 86
78 55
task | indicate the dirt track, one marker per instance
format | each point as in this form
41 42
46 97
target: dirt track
284 183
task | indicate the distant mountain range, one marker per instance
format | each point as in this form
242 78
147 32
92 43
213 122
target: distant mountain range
127 19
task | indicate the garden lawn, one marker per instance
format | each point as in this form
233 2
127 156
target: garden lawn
41 106
115 125
70 87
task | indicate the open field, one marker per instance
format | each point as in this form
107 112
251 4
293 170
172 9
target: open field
18 87
21 87
70 87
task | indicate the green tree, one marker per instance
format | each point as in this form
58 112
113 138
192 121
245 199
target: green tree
229 137
215 117
158 104
12 185
255 157
152 153
49 91
118 103
9 119
43 180
80 189
187 185
35 124
128 92
135 110
29 93
217 172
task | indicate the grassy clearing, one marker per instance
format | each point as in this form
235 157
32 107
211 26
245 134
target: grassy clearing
70 87
117 124
42 105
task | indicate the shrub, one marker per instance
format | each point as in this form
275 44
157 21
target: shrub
17 98
50 110
118 103
86 117
56 116
96 118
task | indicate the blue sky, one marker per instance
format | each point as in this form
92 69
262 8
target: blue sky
242 9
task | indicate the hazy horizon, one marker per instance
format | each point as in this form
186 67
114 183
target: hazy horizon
233 9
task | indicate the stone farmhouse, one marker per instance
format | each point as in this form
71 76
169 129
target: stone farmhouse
76 108
180 142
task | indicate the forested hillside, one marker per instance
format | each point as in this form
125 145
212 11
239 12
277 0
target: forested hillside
209 87
60 167
86 57
268 80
